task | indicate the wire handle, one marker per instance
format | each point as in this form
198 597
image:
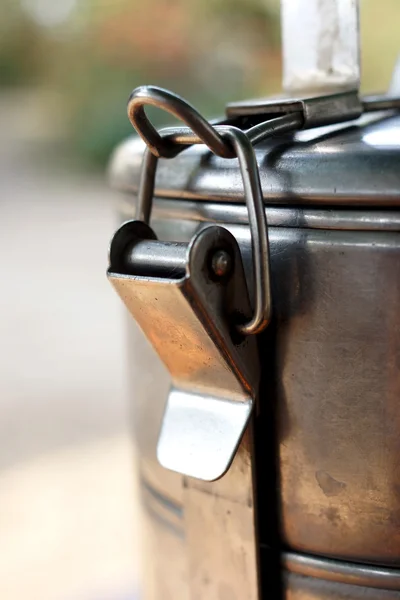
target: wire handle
243 150
149 95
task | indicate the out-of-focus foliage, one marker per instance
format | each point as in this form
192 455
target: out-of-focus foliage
207 53
380 42
20 46
210 51
93 52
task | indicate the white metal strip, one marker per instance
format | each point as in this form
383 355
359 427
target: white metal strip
320 45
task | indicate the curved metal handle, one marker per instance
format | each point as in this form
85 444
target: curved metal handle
148 95
244 151
258 229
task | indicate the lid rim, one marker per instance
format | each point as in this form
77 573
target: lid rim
354 166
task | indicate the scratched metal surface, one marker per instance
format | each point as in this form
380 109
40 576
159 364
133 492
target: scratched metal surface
337 384
333 381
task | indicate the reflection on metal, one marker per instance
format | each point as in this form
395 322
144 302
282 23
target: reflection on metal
299 587
343 572
294 170
320 44
310 218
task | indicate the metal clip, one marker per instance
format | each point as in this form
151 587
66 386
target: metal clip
315 110
192 303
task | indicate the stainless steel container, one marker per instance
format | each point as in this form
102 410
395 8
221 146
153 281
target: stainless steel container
326 429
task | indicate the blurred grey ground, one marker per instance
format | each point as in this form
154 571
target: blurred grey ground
67 513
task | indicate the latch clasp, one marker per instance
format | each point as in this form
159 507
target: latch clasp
192 303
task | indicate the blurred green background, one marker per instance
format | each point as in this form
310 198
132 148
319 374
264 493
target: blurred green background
84 57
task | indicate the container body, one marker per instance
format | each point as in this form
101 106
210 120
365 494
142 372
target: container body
327 428
331 377
337 388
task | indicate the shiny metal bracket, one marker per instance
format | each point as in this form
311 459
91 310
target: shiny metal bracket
188 320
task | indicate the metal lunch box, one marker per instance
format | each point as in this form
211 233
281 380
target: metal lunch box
325 433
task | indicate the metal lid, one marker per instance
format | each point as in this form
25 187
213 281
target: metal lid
355 163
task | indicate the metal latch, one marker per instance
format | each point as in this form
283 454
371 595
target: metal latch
315 110
312 110
192 303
